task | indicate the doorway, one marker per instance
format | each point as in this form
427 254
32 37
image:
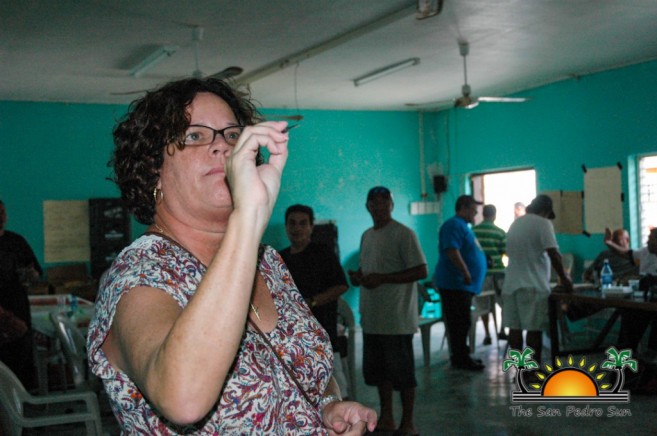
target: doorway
504 189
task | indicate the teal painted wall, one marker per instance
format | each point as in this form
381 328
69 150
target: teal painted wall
53 151
59 151
596 121
336 157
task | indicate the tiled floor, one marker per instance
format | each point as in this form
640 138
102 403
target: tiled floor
458 402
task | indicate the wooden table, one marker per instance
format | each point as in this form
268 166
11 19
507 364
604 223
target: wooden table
595 300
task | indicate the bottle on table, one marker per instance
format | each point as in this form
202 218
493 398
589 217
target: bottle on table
606 275
74 309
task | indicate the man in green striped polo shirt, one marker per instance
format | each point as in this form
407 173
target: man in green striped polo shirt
493 242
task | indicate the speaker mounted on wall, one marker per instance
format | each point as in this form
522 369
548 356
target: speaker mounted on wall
439 184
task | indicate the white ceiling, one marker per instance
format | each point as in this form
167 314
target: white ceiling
82 51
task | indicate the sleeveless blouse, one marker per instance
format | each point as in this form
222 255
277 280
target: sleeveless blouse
258 396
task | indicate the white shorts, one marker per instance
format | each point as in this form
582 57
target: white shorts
525 309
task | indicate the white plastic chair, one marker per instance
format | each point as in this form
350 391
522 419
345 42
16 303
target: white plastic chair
74 345
481 305
13 397
346 318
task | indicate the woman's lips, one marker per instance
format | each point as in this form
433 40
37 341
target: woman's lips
216 171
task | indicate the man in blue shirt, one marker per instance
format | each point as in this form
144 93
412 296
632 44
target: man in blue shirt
458 276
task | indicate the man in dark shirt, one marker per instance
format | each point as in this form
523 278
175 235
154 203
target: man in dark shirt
622 267
315 268
28 267
18 266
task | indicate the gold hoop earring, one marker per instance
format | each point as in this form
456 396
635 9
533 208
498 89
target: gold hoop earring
158 195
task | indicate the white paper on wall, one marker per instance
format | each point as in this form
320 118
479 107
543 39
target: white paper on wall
603 206
66 231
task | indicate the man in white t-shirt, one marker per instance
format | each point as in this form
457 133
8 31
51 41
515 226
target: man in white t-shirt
391 263
532 248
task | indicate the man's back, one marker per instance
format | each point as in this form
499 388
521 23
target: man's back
529 265
493 241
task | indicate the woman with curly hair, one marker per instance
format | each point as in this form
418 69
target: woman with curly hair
199 328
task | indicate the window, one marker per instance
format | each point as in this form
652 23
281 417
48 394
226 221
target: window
647 195
504 190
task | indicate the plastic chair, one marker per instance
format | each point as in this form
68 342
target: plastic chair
74 345
13 396
47 352
425 324
346 318
481 305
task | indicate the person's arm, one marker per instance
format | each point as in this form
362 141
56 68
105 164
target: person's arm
180 358
455 257
328 296
595 266
557 264
588 273
413 274
355 276
609 242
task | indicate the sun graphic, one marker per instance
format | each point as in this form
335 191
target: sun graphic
571 380
570 383
568 380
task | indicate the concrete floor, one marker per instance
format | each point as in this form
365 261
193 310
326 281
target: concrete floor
465 403
450 401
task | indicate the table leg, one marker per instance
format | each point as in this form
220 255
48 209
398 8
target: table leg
605 330
553 316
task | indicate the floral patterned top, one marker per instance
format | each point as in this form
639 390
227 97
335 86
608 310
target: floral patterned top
258 396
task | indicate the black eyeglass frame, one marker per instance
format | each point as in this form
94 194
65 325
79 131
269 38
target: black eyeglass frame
215 132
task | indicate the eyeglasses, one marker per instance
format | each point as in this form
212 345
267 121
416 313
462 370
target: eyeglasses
198 135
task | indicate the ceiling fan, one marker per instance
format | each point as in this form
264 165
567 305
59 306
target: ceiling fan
466 100
226 73
197 37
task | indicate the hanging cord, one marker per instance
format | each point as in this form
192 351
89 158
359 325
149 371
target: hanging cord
197 36
296 87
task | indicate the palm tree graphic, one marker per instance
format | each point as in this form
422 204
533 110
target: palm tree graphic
521 361
618 360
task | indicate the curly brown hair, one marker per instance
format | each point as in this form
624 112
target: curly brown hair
155 123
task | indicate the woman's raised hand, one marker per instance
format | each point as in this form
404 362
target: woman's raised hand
257 186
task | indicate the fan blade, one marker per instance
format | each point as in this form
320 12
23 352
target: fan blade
227 73
433 105
141 91
504 99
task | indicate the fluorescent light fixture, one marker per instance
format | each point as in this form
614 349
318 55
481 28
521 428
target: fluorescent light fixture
377 74
153 59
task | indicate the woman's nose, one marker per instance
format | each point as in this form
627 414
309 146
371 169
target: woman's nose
219 146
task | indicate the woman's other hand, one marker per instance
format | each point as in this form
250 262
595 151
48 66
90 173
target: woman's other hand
348 418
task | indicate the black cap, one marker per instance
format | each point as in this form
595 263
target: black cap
465 201
541 204
379 191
